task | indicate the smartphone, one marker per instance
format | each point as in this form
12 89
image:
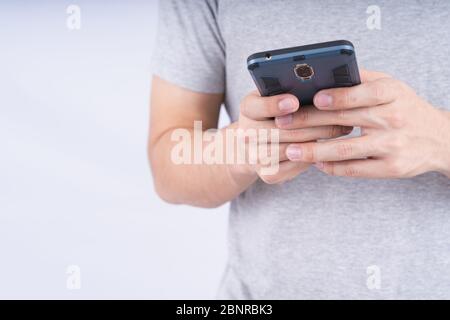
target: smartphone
303 71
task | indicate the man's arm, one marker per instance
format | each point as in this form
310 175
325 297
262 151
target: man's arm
210 185
172 108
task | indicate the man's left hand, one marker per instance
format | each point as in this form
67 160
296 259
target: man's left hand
402 135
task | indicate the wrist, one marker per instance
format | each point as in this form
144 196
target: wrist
241 174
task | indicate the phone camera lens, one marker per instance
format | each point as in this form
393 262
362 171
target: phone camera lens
303 71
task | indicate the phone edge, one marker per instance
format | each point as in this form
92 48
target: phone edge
297 50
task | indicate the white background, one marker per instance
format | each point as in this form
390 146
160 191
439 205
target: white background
75 187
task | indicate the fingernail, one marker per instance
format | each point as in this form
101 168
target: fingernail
319 165
294 152
347 130
283 120
322 100
287 105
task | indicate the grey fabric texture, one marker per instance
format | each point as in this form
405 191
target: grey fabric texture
321 237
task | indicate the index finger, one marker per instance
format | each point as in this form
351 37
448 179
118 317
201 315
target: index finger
369 75
256 107
368 94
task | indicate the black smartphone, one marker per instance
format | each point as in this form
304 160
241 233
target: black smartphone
303 71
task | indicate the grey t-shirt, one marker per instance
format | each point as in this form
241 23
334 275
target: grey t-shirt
319 236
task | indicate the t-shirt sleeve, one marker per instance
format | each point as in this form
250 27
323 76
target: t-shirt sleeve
189 50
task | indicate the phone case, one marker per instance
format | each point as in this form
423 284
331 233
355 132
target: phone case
303 71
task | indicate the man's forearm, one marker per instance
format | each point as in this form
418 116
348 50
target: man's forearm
203 185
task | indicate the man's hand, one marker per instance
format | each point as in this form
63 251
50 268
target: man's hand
401 134
258 112
212 184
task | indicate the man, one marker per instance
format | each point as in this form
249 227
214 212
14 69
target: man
361 217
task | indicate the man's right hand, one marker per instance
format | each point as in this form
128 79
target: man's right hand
211 185
258 112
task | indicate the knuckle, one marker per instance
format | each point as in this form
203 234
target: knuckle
341 114
395 119
350 171
395 167
333 131
345 98
308 153
373 146
344 150
396 85
352 98
379 91
295 135
244 111
394 143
